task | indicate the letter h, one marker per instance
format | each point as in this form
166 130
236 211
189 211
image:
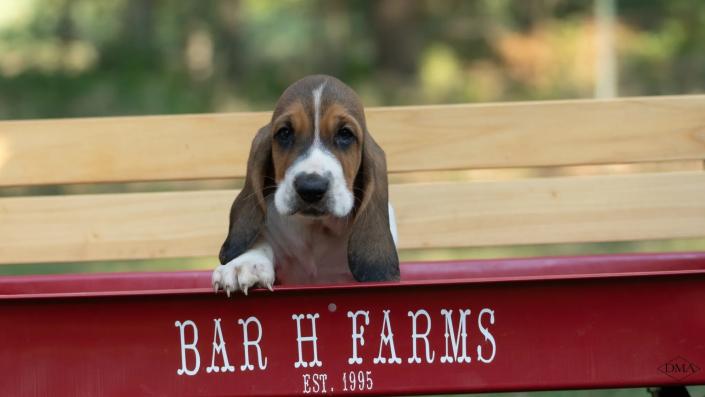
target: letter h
313 339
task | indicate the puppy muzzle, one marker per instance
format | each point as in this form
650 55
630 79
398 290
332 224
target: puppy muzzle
311 190
314 186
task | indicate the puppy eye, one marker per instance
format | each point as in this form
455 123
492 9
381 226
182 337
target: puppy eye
344 138
284 136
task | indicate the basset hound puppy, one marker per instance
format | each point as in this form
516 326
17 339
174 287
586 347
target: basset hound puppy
314 206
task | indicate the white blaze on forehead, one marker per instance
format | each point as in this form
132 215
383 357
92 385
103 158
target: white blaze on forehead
317 93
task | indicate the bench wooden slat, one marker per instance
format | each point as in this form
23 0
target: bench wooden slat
550 133
182 224
552 210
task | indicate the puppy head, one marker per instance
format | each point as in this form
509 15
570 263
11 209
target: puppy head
318 134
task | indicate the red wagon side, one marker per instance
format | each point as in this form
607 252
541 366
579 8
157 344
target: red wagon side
473 326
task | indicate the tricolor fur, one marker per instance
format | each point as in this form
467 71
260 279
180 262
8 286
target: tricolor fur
314 207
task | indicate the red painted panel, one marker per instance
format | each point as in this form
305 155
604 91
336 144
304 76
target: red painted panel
476 270
566 331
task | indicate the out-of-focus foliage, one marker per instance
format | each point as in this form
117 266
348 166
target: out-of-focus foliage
61 58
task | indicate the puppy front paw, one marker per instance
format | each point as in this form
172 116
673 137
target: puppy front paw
243 272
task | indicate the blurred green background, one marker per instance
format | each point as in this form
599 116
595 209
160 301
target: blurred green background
77 58
66 58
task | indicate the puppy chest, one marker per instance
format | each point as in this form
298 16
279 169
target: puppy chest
308 252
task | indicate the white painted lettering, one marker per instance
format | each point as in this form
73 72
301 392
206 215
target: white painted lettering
357 334
313 339
307 389
488 336
455 338
387 339
190 346
415 336
247 343
219 348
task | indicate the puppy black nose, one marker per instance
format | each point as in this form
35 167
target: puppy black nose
311 187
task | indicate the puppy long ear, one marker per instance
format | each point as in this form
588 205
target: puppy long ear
248 210
372 255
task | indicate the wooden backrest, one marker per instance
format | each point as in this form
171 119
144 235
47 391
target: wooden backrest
427 138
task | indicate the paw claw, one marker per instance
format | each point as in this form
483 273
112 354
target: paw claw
244 272
243 284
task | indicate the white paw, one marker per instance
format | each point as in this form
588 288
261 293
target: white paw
247 270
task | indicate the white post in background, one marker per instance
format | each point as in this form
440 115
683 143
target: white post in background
606 61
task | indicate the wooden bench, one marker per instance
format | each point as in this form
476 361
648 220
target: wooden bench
646 181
